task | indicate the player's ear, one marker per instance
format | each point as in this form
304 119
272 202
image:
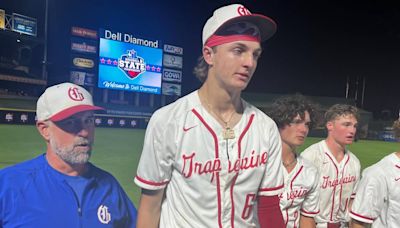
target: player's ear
208 55
329 125
43 128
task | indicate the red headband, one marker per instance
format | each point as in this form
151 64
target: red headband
215 40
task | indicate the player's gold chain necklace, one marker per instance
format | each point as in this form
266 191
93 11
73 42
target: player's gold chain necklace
227 132
288 164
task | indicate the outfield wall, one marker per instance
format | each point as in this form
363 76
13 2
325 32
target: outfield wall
22 111
28 117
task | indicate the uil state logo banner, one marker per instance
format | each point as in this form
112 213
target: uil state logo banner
132 64
128 66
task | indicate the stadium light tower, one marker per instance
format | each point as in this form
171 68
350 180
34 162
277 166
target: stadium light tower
363 93
44 62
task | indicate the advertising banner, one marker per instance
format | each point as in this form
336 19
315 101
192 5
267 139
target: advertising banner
24 24
82 62
173 61
17 117
82 78
83 46
172 75
129 63
84 32
2 19
173 49
171 89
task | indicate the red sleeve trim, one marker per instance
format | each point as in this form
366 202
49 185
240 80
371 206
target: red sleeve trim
150 182
308 212
271 189
361 216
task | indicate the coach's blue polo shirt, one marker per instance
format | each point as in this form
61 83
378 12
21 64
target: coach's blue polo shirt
33 194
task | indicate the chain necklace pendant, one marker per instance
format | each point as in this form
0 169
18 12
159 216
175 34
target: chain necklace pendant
228 133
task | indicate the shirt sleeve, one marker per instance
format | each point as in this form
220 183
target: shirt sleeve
155 164
272 183
130 213
370 198
310 206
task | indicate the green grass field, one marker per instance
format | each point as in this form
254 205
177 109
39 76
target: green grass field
118 151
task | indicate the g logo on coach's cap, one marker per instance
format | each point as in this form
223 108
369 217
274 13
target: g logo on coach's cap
63 100
75 94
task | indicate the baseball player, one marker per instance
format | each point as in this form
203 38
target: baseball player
299 202
209 157
377 200
339 169
61 188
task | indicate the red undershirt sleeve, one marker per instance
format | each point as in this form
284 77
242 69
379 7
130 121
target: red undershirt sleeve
269 212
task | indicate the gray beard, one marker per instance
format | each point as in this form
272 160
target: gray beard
69 154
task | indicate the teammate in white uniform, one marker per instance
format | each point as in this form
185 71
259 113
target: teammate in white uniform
209 157
377 199
339 169
299 202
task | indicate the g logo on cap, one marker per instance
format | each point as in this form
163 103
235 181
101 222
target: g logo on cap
75 94
243 11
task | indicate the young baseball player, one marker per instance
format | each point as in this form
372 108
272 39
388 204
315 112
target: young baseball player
61 188
377 200
339 169
209 157
299 202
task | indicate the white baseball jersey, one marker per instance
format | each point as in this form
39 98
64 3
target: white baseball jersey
338 181
378 194
301 193
209 181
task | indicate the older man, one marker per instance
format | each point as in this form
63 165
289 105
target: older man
61 188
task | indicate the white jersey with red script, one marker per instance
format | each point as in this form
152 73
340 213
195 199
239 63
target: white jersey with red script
378 194
301 193
338 181
209 181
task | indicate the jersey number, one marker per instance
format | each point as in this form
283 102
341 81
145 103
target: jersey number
248 206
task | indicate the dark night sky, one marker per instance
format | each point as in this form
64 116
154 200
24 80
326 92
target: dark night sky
318 45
